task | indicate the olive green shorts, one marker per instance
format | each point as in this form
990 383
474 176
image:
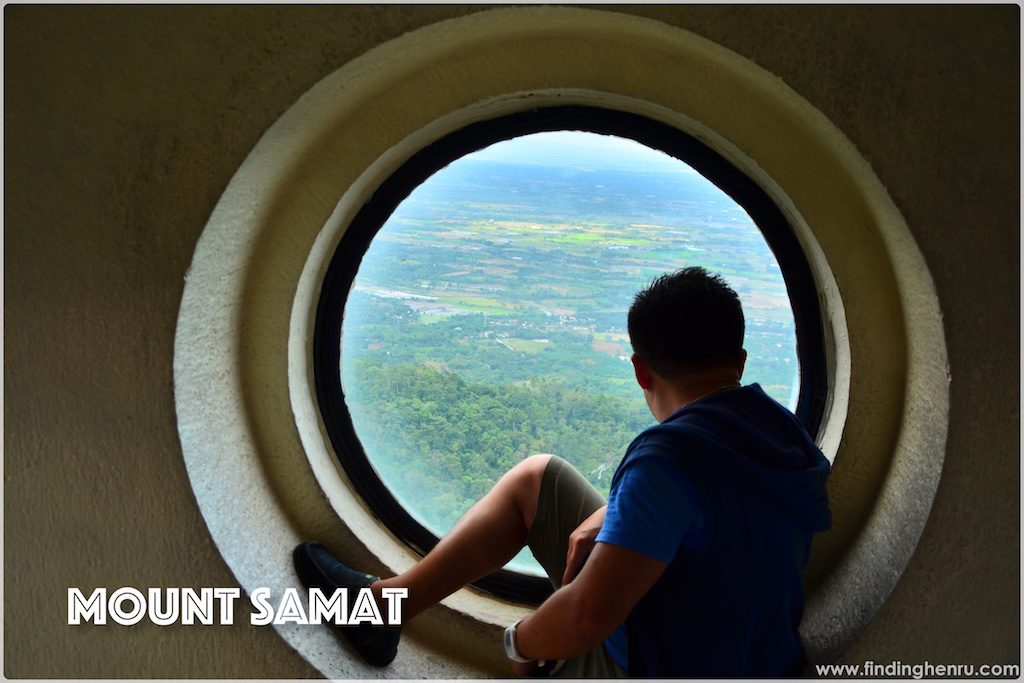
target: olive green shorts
564 501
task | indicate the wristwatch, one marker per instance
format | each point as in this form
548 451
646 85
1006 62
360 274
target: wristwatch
511 651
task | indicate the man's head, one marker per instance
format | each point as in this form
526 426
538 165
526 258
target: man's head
685 322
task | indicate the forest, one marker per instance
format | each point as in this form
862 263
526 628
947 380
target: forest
454 438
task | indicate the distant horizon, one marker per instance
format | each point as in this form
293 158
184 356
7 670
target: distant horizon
581 149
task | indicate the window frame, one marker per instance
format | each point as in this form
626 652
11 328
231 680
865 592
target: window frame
344 266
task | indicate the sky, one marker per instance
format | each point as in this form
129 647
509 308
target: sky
581 149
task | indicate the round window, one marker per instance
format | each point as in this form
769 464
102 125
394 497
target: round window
475 310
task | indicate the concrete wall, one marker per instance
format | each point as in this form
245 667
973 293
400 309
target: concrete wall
124 125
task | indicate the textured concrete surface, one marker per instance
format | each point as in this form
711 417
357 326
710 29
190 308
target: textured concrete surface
123 127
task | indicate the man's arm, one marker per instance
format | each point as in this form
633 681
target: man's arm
580 615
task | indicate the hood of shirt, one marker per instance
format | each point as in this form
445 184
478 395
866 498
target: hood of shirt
747 431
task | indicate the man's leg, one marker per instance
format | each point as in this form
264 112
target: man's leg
566 499
482 541
538 502
541 501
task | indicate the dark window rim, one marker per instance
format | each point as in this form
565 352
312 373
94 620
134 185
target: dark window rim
344 265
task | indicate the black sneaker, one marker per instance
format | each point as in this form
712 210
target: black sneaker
317 568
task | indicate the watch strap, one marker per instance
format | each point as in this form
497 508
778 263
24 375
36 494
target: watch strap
511 649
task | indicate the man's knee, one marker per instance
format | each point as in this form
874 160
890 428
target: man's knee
527 477
528 473
536 464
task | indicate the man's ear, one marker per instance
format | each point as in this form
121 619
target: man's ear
743 363
642 372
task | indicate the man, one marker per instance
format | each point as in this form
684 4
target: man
693 567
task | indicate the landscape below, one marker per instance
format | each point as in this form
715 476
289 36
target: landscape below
488 320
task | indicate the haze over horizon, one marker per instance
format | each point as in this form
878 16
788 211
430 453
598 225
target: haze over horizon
581 149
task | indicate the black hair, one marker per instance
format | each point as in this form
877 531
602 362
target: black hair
686 320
